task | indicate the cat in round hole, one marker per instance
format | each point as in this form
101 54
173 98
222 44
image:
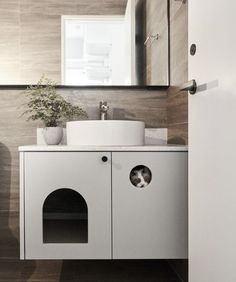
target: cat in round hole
140 176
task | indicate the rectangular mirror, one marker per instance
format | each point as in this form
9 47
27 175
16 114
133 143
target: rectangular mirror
85 43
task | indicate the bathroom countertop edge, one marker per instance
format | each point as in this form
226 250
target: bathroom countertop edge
67 148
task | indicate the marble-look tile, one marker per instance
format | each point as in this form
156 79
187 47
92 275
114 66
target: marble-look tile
179 46
175 6
29 271
128 104
86 271
9 41
178 134
177 105
9 230
177 102
157 51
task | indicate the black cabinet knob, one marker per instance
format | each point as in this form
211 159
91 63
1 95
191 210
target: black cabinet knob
104 159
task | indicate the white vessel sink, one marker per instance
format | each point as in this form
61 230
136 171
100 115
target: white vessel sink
105 133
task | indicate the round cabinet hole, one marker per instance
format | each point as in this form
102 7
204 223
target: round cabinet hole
140 176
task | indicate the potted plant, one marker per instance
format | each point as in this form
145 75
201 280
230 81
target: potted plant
52 109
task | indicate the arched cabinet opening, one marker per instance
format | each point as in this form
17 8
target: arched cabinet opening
65 217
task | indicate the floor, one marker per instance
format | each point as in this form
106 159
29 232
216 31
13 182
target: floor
86 271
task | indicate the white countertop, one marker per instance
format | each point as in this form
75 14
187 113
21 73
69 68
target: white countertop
65 148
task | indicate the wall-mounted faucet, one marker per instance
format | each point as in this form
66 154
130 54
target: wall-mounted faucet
103 107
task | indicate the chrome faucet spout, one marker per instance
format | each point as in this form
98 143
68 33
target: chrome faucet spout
103 107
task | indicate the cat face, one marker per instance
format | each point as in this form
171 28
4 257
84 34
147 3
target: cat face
140 176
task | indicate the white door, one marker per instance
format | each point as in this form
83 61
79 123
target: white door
149 205
67 205
212 139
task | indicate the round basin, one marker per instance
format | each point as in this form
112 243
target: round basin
105 133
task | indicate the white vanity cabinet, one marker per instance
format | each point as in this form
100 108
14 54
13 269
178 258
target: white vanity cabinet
78 204
150 222
89 178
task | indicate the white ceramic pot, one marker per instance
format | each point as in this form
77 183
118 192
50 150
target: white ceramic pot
53 135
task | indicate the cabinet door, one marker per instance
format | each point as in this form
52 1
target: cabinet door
149 222
67 205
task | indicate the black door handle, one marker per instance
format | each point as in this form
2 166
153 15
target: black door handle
190 86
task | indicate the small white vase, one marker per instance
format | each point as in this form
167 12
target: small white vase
53 135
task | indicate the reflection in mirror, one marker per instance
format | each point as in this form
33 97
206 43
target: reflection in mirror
94 51
113 42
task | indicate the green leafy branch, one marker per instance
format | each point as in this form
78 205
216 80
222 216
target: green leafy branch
47 105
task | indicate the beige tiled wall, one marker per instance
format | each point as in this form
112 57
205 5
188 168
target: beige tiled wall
177 107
